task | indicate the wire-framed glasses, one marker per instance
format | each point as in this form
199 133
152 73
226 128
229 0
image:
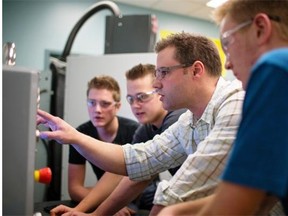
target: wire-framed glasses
161 72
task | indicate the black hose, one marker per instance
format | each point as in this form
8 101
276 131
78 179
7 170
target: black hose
94 8
57 98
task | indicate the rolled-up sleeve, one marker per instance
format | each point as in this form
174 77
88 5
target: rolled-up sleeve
144 160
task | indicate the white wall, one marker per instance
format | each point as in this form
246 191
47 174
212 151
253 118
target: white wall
36 26
79 71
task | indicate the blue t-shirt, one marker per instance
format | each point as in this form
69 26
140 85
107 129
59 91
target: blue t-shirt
259 158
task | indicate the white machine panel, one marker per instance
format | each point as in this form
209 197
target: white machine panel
19 141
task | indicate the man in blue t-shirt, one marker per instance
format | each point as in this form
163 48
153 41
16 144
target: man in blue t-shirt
254 36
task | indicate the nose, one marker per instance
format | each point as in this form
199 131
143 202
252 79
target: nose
157 84
97 107
228 65
135 104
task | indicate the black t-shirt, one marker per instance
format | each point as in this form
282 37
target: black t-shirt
125 133
148 131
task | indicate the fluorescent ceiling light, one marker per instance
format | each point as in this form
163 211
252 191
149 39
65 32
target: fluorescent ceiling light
215 3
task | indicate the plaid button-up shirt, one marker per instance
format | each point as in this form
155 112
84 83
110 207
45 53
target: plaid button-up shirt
201 147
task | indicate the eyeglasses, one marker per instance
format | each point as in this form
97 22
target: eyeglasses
226 39
103 104
140 97
161 72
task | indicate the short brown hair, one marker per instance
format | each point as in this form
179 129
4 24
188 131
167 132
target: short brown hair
190 48
140 71
243 10
105 82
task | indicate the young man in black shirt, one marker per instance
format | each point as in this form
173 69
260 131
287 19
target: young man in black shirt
103 104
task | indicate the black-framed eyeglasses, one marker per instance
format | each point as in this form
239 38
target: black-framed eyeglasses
161 72
103 104
140 97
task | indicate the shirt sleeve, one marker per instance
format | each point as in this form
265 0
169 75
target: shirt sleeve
75 157
143 160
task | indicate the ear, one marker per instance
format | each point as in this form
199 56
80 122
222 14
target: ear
198 68
263 28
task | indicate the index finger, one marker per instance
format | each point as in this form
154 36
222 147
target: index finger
45 115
